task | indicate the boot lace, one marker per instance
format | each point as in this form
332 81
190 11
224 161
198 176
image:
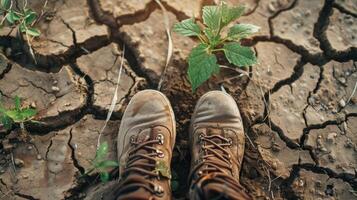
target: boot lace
214 164
141 162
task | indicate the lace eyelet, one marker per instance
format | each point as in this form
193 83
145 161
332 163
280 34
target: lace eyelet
132 139
158 190
159 153
230 141
201 135
160 137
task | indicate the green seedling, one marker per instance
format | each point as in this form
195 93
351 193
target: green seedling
202 60
23 18
15 115
100 163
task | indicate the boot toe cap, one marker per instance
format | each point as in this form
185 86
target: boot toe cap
216 106
147 102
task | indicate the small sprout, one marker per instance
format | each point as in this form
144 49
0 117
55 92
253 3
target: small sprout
23 18
202 61
16 114
100 163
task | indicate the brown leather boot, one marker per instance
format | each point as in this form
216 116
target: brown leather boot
217 148
145 142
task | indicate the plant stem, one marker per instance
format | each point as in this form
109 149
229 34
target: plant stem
2 21
202 38
214 50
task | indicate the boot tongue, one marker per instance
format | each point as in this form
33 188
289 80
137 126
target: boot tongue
144 136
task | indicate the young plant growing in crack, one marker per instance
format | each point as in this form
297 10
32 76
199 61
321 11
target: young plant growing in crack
100 163
21 18
15 115
202 60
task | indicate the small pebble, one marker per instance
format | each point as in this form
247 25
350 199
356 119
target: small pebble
342 80
55 82
271 7
331 137
323 149
354 99
331 157
274 165
29 148
307 13
8 52
19 162
39 157
301 183
55 88
342 103
318 184
349 143
344 125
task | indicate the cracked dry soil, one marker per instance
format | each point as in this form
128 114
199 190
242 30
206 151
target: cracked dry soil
298 105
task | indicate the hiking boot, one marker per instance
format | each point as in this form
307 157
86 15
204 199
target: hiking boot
217 148
145 142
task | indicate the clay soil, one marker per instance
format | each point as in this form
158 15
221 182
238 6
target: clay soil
299 104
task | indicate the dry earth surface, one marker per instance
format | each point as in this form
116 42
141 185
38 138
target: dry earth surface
299 104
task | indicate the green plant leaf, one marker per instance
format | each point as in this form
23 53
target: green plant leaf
12 17
211 17
28 113
101 151
5 4
21 115
30 17
163 169
17 101
33 32
106 164
187 27
239 55
23 28
213 39
240 31
201 65
6 121
230 14
104 177
15 115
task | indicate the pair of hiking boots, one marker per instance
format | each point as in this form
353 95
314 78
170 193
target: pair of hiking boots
147 137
